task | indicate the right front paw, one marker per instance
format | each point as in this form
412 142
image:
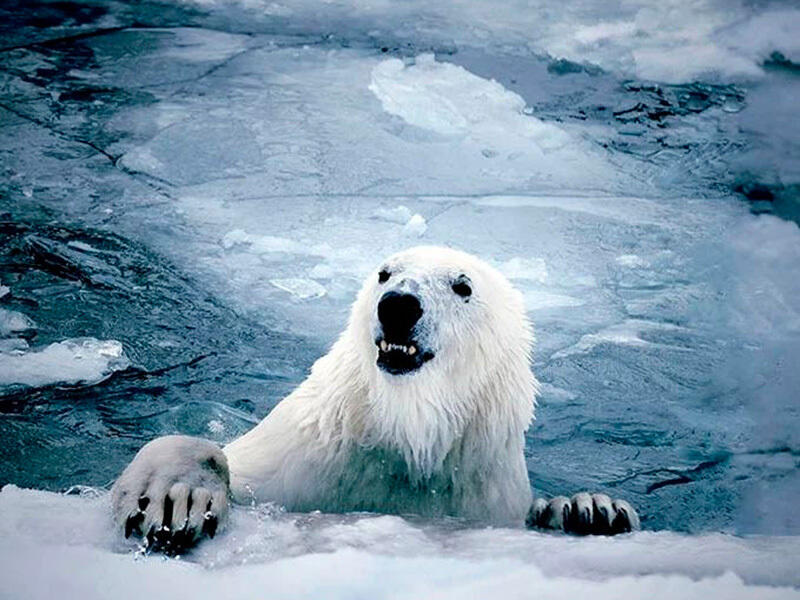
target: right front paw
583 514
173 493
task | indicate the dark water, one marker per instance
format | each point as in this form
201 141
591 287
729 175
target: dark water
217 366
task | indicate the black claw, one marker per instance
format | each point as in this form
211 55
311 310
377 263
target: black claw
134 522
601 524
159 539
622 522
210 525
592 520
566 516
545 517
530 518
143 502
163 536
181 540
190 534
580 522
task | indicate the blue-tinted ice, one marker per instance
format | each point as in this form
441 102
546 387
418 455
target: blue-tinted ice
191 196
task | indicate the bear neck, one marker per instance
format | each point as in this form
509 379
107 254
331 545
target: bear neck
431 419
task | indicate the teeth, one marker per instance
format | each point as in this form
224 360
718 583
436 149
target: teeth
386 347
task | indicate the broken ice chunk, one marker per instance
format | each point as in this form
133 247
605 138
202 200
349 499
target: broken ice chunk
13 345
533 269
631 260
416 226
85 360
399 214
14 323
302 289
449 100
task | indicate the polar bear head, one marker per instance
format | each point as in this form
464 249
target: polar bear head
443 342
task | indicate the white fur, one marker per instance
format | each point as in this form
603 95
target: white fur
446 439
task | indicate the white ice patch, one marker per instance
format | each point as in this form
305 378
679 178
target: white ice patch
198 149
416 226
631 261
765 302
12 322
674 41
263 244
83 247
551 393
80 360
143 159
216 426
399 214
4 290
451 101
540 300
194 45
521 268
302 289
13 345
636 211
337 557
627 333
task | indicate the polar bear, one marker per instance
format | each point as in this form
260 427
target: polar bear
420 407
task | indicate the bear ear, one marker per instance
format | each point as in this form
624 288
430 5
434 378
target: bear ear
462 286
383 276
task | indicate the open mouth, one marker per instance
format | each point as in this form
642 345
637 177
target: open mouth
399 359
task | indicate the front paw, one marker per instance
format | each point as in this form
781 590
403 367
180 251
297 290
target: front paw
583 514
173 493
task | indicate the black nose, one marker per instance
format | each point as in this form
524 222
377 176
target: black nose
398 313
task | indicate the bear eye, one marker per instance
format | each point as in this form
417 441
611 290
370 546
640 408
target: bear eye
383 276
461 286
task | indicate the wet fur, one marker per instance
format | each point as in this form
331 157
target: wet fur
447 439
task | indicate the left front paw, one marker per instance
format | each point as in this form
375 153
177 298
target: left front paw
583 514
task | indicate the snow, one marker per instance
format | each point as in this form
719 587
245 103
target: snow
328 556
449 100
83 360
672 41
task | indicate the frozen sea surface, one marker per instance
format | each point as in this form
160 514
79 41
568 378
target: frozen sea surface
357 556
192 193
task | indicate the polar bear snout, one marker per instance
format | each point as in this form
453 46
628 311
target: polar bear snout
399 352
398 313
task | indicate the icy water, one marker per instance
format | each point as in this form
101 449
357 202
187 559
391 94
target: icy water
191 194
